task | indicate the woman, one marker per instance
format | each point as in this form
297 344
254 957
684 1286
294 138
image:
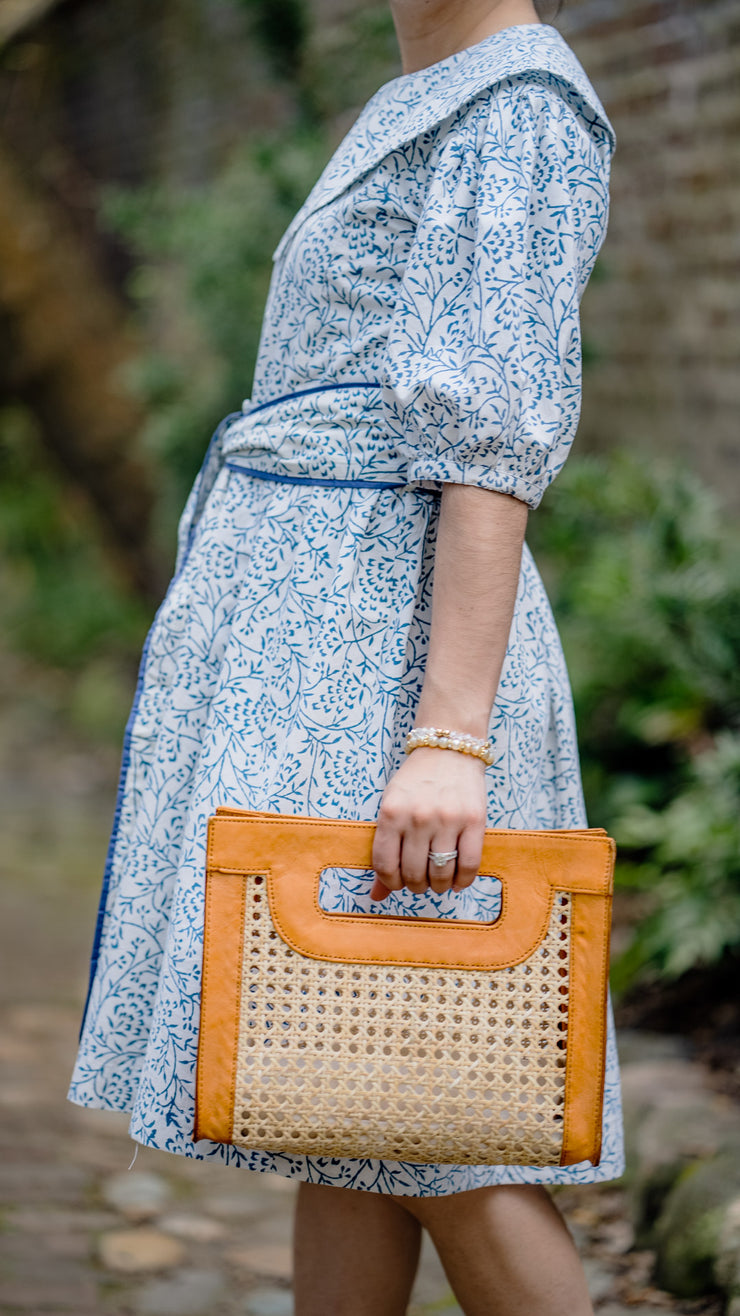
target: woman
352 566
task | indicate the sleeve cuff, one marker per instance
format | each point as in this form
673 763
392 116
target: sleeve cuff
498 479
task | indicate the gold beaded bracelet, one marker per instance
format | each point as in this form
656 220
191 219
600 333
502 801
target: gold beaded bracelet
441 738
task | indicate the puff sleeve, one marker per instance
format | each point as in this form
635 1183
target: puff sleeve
482 372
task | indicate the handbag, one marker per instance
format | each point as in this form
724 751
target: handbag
434 1041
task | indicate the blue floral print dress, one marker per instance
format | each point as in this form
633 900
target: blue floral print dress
422 327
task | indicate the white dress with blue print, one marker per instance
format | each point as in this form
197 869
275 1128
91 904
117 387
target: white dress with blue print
422 327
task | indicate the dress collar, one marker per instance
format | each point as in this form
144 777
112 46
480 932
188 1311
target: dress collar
416 102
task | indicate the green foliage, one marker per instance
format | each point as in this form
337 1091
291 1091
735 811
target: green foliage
61 605
643 578
346 62
691 868
282 26
201 279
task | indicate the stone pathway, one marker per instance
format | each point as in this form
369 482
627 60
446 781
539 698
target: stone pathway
80 1232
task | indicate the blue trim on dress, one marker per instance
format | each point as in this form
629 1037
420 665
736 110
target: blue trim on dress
213 450
125 764
304 392
208 474
311 479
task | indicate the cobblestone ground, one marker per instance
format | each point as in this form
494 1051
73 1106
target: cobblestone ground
79 1231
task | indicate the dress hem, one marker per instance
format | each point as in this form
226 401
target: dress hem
242 1158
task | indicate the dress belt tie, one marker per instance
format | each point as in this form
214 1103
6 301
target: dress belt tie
326 482
216 459
250 409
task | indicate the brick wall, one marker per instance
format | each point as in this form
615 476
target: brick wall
662 322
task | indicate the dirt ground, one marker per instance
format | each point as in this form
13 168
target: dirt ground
79 1231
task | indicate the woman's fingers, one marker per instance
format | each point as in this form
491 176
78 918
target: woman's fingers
441 876
414 852
386 856
431 804
379 891
469 852
402 859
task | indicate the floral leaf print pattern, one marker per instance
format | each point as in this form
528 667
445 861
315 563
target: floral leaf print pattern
421 327
484 353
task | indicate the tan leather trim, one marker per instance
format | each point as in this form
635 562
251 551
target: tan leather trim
584 1080
220 1005
228 811
293 852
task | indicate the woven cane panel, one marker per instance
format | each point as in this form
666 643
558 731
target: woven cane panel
408 1064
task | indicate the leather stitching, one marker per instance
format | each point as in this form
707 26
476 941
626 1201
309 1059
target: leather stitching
211 941
352 920
570 1080
395 921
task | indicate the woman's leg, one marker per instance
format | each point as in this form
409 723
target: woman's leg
506 1251
356 1253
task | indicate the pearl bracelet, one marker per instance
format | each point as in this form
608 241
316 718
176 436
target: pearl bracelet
441 738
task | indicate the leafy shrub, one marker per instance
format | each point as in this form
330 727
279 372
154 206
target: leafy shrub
60 601
691 868
203 265
643 576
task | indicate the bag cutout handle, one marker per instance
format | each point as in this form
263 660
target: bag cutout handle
291 853
380 912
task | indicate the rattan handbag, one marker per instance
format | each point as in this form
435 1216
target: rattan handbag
408 1039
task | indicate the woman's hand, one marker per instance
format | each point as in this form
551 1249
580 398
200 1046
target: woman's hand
435 801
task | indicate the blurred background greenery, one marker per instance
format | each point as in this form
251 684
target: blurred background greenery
148 267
